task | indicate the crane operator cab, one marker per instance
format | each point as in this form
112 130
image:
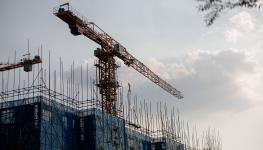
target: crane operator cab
63 7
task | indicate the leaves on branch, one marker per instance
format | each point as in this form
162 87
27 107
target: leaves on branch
215 7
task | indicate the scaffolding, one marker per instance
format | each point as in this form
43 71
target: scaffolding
50 110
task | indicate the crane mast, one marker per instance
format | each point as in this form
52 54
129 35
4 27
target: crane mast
106 65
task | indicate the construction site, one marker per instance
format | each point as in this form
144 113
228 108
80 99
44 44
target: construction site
44 109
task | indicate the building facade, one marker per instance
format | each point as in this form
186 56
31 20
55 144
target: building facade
38 123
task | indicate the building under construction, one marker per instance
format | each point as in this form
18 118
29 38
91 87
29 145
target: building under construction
48 110
44 110
42 123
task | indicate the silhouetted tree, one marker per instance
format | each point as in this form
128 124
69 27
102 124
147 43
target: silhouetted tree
215 7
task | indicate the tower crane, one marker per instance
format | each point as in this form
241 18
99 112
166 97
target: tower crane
110 48
27 63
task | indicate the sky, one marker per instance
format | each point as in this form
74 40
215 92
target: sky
218 68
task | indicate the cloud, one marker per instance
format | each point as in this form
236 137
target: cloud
244 21
219 81
216 81
212 82
243 26
232 35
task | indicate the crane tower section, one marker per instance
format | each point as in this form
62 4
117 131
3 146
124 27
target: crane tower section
106 65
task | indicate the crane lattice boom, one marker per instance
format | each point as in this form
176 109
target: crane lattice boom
109 49
129 60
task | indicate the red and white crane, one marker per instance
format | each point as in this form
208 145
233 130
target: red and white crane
106 65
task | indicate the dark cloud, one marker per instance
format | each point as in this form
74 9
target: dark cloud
209 84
